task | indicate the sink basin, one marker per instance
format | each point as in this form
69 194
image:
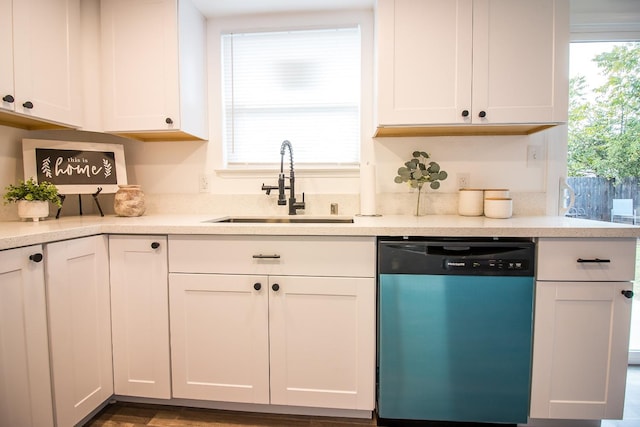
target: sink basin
301 219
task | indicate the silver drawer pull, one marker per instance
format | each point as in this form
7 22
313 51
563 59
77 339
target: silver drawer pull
260 256
594 260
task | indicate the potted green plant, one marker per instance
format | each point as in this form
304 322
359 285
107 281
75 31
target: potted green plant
417 172
32 198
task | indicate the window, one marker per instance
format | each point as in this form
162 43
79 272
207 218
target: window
603 147
301 86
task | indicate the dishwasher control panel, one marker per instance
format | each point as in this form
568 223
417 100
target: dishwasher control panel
472 265
471 257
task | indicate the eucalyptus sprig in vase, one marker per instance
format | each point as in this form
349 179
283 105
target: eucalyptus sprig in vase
417 172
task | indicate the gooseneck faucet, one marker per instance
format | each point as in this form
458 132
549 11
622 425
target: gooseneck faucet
282 199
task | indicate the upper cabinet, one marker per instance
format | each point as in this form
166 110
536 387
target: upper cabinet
40 64
471 67
154 71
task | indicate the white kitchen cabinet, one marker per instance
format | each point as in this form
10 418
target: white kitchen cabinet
322 335
140 316
25 382
154 70
40 63
220 337
280 320
581 330
471 66
6 55
77 280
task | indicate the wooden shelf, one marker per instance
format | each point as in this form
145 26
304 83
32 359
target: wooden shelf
157 136
7 118
460 130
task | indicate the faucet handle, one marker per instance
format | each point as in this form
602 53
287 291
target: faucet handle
268 188
300 205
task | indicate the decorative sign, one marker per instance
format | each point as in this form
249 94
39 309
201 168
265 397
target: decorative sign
75 167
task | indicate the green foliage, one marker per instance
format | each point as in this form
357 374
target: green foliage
30 190
417 172
604 132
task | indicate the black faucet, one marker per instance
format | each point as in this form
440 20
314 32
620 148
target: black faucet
282 200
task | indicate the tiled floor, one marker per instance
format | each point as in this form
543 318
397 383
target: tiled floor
140 415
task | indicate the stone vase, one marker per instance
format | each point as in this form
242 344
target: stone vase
129 201
33 209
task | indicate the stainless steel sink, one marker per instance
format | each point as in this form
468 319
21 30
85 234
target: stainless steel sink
293 219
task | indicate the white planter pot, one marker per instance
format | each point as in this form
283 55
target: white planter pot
33 209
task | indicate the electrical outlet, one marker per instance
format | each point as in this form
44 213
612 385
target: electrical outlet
463 180
535 155
203 183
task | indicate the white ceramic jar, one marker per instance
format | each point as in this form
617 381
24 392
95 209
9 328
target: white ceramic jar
470 202
496 193
498 207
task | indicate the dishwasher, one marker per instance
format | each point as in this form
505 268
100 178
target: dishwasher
455 323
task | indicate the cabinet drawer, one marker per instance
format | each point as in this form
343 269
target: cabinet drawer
586 259
284 255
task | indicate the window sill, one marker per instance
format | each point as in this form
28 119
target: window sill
270 171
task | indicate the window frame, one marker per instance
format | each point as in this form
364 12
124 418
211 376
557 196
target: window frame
614 30
281 22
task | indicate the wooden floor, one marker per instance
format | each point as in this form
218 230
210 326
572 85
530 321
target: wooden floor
139 415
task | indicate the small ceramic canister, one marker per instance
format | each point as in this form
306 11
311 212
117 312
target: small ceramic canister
470 202
496 193
498 207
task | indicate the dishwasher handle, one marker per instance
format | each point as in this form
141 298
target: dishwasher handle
428 249
466 251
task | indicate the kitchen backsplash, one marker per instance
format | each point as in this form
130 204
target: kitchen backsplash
524 204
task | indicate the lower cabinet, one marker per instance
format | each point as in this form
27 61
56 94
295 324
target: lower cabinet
322 335
279 320
582 323
267 333
220 337
140 316
25 382
77 280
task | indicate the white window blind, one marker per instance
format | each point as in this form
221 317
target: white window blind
301 86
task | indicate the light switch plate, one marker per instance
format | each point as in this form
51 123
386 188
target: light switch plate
535 156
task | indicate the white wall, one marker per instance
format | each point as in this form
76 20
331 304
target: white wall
173 168
170 171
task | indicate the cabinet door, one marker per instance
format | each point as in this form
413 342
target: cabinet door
140 316
219 337
520 61
140 62
6 54
25 383
581 342
424 61
46 36
77 277
322 332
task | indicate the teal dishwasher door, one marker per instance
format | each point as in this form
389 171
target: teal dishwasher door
454 348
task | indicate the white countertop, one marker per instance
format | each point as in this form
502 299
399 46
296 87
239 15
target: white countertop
18 233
